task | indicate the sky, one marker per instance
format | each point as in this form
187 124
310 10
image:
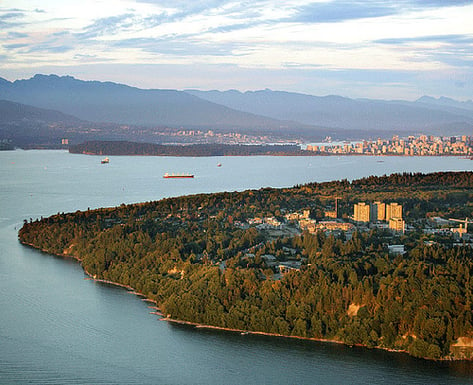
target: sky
354 48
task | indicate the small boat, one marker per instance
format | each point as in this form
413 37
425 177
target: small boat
219 164
167 175
105 160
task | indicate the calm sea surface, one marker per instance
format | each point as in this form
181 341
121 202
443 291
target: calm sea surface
58 328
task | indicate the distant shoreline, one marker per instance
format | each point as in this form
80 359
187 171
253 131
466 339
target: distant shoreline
302 153
118 148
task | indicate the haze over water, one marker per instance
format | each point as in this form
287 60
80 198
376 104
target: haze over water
58 328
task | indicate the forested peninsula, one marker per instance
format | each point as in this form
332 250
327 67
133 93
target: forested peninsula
206 149
205 259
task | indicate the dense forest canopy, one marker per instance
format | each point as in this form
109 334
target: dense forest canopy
203 260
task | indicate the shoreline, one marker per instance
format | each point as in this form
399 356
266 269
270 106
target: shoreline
304 154
313 339
248 332
91 277
197 325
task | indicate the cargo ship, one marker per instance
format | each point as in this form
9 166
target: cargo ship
167 175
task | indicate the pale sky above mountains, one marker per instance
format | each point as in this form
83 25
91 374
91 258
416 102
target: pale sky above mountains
371 48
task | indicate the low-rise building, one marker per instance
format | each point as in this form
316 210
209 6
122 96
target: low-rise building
287 266
271 221
396 249
270 260
307 224
333 225
255 221
330 214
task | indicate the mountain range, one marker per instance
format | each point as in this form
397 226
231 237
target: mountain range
427 114
53 99
117 103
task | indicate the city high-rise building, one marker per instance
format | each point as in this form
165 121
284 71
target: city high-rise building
361 212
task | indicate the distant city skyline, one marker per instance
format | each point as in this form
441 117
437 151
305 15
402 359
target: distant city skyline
370 49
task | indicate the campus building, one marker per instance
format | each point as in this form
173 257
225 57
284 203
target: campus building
393 210
361 212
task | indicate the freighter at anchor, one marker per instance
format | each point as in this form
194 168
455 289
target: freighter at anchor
167 175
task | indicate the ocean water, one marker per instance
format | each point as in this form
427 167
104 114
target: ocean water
57 327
